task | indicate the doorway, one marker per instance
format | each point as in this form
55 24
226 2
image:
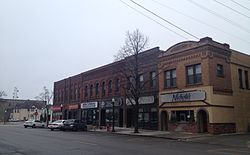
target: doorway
202 121
164 121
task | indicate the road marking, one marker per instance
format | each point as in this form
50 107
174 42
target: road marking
87 143
228 151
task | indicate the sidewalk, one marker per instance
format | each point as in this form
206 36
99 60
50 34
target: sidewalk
238 140
182 136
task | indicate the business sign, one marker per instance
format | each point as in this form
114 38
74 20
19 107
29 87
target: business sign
108 103
72 106
183 96
56 108
89 105
142 100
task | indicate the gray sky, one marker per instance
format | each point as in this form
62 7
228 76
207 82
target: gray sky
43 41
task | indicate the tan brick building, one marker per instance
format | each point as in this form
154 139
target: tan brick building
204 87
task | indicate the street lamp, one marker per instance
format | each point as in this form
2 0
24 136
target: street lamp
61 111
113 115
4 116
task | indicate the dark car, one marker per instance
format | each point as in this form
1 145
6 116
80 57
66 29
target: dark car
74 125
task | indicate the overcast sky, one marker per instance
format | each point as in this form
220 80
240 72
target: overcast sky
43 41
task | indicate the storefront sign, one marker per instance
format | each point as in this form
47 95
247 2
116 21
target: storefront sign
108 103
183 96
73 106
89 105
142 100
56 108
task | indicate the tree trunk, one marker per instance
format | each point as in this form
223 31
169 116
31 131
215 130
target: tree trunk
136 108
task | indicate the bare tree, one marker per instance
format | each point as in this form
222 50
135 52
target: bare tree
2 94
135 43
45 95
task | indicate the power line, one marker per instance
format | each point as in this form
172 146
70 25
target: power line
231 8
164 19
153 20
219 16
240 5
200 21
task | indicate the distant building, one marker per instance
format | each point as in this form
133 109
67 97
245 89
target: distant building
20 110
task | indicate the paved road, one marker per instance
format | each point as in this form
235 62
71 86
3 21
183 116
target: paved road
16 140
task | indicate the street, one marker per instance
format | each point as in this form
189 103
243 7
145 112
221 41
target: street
16 140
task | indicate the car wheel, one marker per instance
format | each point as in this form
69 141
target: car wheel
33 126
25 126
42 126
52 129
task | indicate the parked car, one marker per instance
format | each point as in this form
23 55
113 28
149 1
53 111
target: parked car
56 125
74 125
34 124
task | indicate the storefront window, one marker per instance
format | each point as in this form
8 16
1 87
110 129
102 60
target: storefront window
182 116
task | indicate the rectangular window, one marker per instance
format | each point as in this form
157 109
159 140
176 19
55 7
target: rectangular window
240 78
97 89
117 85
141 80
220 70
91 90
103 89
182 116
110 86
170 78
86 91
193 74
153 79
246 79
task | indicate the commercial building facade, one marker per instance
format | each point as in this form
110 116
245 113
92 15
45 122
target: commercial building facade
193 86
90 96
203 88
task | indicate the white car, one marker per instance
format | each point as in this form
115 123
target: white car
56 125
34 124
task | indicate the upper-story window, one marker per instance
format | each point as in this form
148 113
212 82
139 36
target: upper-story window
91 90
220 70
141 80
246 79
103 88
170 78
240 78
110 86
97 89
193 74
86 91
117 85
153 79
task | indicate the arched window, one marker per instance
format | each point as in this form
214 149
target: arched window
110 86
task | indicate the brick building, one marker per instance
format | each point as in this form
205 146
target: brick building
193 86
88 96
203 87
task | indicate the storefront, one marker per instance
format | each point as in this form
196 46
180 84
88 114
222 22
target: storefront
106 112
71 111
90 113
148 113
184 111
56 112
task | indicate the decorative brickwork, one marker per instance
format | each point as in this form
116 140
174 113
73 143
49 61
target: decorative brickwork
219 128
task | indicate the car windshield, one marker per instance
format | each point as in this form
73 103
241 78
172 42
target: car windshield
69 121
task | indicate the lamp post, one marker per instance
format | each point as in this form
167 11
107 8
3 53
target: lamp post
61 111
4 116
113 115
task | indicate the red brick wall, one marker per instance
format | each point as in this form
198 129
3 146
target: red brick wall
219 128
